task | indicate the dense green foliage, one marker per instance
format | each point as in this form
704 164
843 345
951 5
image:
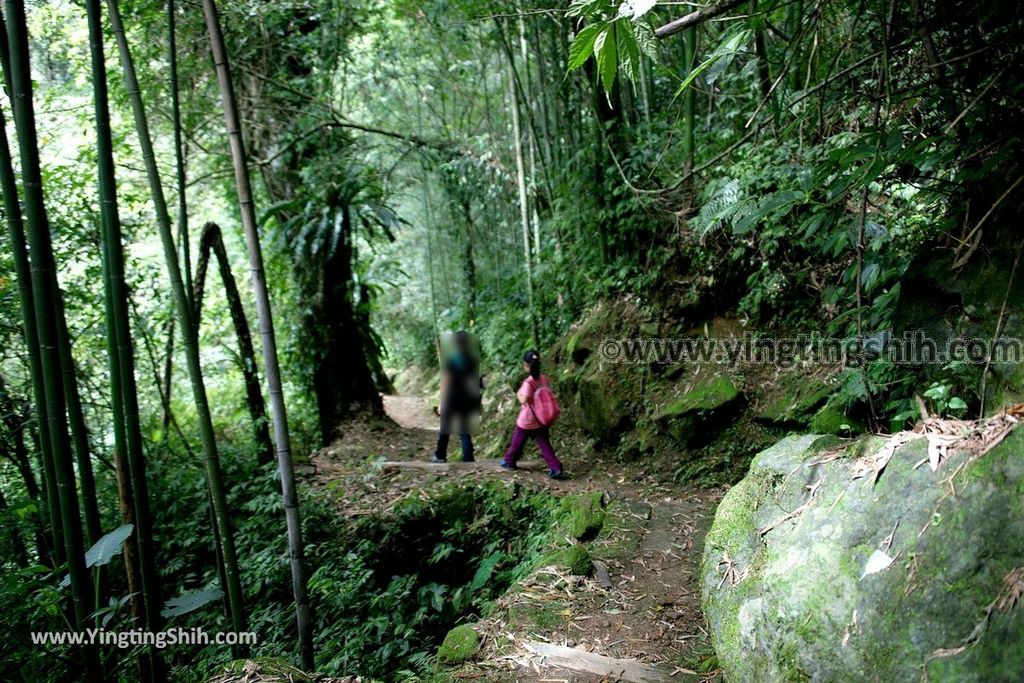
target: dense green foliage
851 169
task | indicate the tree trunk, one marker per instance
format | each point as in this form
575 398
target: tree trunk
188 332
469 263
179 151
47 307
764 74
211 241
341 375
79 431
166 381
277 408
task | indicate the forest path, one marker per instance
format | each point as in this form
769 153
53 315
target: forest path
642 604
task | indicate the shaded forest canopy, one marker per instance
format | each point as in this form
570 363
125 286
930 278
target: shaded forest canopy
231 227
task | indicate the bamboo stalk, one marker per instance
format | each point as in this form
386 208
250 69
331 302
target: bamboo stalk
119 332
188 329
211 241
270 362
44 287
19 253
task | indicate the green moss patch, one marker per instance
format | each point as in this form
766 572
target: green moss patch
788 570
700 412
585 515
704 397
797 400
459 645
830 420
577 560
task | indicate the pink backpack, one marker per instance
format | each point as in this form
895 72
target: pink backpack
544 404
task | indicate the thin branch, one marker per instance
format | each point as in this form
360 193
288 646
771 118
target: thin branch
694 18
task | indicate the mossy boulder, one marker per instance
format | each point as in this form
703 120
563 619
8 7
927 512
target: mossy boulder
601 412
796 588
831 420
577 349
703 408
459 645
970 305
584 515
575 559
797 399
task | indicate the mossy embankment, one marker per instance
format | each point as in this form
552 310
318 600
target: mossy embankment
687 421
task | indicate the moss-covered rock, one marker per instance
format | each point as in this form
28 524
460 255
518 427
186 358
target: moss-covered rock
584 515
575 559
792 584
798 397
703 408
831 420
459 645
601 412
577 349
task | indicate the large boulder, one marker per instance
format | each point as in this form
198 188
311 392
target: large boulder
701 411
813 571
601 412
795 401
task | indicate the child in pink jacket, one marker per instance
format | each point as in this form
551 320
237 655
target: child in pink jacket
527 423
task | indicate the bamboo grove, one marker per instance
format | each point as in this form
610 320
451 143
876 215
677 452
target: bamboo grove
67 494
231 227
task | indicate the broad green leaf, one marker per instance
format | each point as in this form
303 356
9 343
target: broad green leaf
108 547
483 573
190 602
629 52
584 8
104 550
645 39
583 45
604 47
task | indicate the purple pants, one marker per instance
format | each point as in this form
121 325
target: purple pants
515 448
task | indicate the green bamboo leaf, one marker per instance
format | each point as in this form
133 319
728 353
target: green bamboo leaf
726 49
483 573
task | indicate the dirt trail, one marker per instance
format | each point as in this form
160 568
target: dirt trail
645 607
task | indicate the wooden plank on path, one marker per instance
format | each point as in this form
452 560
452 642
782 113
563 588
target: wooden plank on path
455 465
628 670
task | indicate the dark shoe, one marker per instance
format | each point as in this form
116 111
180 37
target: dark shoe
505 465
438 459
552 474
468 458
